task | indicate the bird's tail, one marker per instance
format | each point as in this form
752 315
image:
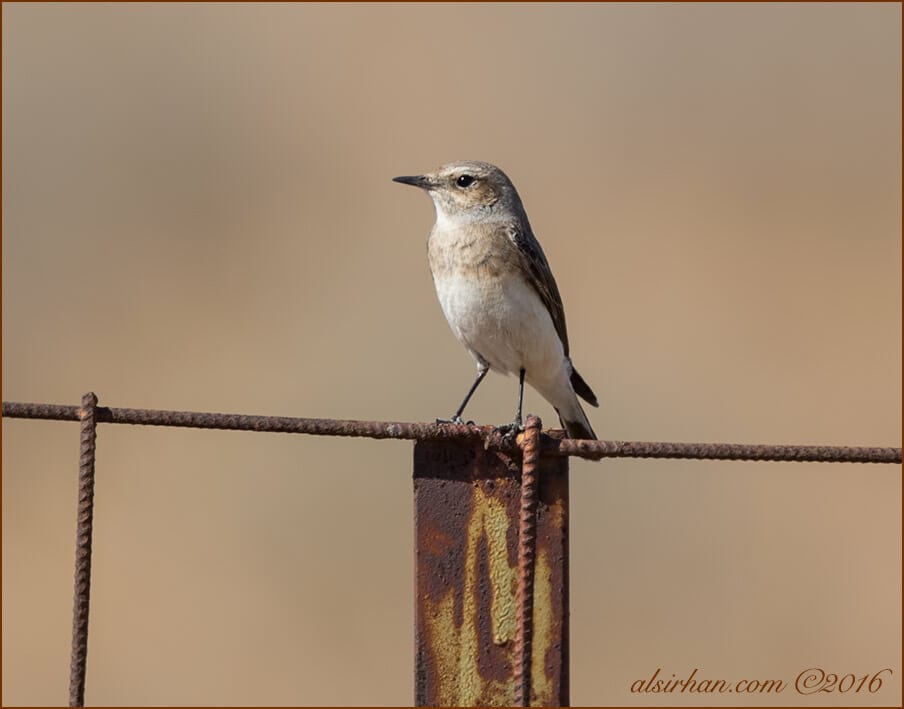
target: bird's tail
575 422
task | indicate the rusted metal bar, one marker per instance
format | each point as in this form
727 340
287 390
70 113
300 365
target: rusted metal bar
527 547
467 516
83 535
552 444
596 450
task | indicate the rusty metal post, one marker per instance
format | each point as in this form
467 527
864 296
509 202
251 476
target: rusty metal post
83 535
467 518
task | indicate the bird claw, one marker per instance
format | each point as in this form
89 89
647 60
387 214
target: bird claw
510 431
456 420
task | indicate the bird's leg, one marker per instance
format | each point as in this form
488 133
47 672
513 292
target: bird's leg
517 421
516 426
482 369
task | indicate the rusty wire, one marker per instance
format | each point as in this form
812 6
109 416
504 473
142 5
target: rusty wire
83 535
552 443
527 547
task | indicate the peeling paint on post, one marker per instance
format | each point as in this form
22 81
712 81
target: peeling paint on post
466 549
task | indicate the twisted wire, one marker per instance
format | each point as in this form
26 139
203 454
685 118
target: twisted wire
551 444
83 535
527 547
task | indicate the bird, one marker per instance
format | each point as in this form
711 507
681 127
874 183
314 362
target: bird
497 290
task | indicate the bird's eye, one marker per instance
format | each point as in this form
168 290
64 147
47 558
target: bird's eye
464 180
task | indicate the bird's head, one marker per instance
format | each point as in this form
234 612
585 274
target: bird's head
467 189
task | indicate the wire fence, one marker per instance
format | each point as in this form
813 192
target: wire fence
533 445
550 444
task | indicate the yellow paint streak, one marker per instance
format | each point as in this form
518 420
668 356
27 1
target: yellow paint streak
444 643
455 649
556 514
541 683
503 578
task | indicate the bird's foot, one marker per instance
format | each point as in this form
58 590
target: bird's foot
510 431
455 420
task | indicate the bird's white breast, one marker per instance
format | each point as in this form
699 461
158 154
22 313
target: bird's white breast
495 312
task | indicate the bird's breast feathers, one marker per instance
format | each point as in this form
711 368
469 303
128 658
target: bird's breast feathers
494 311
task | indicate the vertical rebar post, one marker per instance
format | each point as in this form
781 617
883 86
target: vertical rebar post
527 547
83 536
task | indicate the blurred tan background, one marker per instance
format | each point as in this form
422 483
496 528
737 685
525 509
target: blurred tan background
198 214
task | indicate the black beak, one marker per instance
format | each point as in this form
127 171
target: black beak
415 180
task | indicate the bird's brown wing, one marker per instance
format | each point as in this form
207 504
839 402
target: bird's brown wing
536 268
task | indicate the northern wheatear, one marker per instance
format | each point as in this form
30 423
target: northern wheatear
497 290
